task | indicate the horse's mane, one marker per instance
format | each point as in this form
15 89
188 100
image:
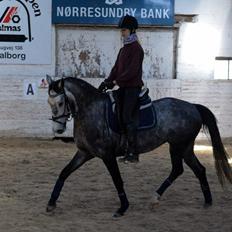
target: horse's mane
84 84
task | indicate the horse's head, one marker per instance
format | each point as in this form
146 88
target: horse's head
59 105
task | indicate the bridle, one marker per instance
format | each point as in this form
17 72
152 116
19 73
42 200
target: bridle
69 115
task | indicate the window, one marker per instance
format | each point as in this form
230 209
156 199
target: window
223 68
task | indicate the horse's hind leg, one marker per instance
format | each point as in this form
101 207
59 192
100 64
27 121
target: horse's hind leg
78 160
199 171
177 170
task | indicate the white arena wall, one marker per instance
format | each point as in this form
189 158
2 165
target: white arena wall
89 53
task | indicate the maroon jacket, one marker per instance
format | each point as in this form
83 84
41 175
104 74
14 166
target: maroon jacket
127 71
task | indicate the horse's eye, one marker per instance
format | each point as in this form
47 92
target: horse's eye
60 104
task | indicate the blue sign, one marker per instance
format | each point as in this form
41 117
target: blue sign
108 12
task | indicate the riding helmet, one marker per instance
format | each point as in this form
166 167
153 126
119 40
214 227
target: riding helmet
128 22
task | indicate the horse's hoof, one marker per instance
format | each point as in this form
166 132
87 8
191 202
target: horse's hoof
50 208
154 205
118 215
120 212
208 204
155 201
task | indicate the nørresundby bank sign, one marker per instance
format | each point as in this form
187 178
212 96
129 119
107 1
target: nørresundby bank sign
108 12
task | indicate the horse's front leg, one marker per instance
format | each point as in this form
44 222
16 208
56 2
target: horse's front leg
112 166
78 160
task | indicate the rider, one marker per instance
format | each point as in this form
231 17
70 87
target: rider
127 74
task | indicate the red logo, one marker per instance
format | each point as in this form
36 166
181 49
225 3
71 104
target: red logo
10 14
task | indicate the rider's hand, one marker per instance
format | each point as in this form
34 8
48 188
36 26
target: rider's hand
102 87
106 85
109 84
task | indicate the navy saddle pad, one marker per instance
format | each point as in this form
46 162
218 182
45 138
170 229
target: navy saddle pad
147 114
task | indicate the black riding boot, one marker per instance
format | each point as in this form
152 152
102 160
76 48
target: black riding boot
129 114
122 146
131 153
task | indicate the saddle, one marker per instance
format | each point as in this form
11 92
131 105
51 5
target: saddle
147 114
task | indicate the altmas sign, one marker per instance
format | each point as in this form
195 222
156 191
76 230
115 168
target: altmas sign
108 12
23 26
11 17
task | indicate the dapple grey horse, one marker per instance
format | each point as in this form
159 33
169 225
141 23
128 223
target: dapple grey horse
178 123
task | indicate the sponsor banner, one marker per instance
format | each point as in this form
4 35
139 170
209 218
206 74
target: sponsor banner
25 32
108 12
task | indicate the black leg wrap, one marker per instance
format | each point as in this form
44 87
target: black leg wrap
207 194
56 192
124 205
164 186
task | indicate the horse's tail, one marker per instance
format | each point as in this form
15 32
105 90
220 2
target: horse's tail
222 158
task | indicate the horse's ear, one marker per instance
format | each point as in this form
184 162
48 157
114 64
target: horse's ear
49 79
61 83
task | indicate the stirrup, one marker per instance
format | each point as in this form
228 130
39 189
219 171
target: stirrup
132 158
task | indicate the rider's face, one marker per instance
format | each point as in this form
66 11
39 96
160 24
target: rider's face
125 32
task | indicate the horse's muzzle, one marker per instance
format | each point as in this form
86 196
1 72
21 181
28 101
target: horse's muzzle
59 128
